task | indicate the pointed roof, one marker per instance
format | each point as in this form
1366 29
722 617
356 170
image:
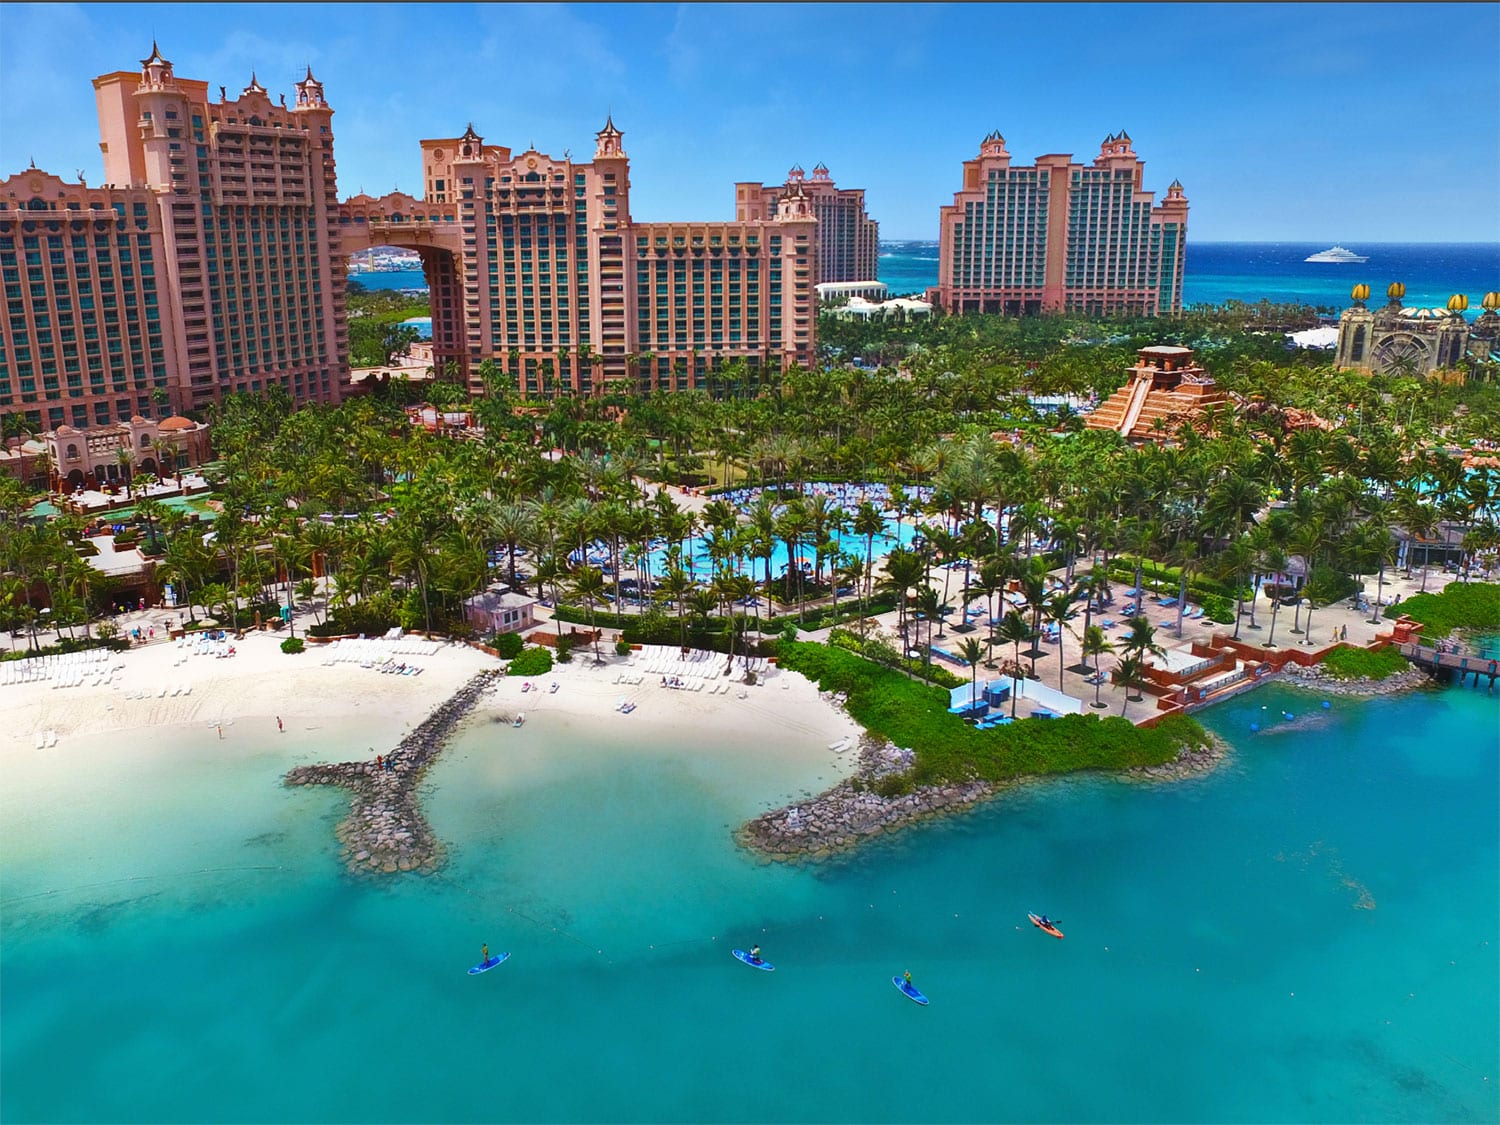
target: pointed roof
309 77
1175 185
1124 136
609 127
155 58
469 134
820 167
255 87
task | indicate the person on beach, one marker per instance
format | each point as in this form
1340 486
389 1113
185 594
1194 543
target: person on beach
380 761
279 727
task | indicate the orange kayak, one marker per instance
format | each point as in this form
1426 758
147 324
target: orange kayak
1046 927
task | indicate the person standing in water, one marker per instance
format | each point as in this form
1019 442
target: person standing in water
484 954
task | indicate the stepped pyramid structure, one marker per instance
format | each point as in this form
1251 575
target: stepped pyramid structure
1166 388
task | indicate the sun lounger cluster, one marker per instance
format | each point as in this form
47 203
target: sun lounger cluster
380 653
69 669
215 643
697 670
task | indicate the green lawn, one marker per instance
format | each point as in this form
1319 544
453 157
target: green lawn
915 715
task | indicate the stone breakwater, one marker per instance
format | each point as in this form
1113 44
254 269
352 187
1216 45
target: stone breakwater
854 811
1318 679
385 831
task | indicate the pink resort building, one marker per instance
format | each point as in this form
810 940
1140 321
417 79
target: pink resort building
848 239
537 269
1061 236
209 262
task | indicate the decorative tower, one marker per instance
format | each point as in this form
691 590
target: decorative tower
608 140
1356 328
157 94
1453 335
820 174
993 145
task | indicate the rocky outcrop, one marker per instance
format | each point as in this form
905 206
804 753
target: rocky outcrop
856 810
1317 678
385 831
1192 762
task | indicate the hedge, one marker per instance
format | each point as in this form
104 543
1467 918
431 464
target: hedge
915 715
1459 605
1168 579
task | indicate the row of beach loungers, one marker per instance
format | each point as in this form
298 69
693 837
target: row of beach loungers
162 692
378 652
700 664
70 669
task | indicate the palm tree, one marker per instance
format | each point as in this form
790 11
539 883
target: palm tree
971 652
869 523
1095 644
588 586
675 586
1275 561
1060 609
1014 630
903 570
1128 672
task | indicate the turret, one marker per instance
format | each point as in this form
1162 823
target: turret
156 71
470 146
310 93
993 145
608 140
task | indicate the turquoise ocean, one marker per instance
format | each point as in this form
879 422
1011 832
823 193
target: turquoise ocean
1308 934
1240 271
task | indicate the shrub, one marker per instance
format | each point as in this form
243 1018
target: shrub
1359 663
1218 609
565 645
622 647
534 660
1460 605
508 645
292 645
1326 585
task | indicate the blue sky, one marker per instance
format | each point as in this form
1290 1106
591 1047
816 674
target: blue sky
1340 122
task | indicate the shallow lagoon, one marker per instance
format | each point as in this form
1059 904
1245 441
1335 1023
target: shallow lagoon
1308 934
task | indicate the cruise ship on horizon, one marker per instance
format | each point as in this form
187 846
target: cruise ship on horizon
1336 254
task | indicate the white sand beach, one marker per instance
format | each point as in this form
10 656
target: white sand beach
162 686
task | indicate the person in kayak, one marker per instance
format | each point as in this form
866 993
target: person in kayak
755 954
1046 921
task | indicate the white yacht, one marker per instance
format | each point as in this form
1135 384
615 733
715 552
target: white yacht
1337 255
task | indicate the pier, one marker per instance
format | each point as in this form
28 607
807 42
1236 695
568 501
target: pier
1441 662
385 831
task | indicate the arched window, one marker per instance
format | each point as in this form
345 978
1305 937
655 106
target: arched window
72 453
1357 352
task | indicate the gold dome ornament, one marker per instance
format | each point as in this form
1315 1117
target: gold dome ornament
1395 290
1360 292
1458 303
1491 302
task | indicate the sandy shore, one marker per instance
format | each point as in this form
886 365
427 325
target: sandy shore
249 691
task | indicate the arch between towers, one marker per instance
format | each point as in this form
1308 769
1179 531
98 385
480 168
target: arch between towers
400 222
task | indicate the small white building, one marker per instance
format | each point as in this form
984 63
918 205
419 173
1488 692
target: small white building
830 291
500 610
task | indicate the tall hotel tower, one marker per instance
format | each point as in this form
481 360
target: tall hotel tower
848 239
1058 236
208 263
536 266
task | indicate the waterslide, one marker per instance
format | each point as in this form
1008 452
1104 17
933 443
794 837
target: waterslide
1138 394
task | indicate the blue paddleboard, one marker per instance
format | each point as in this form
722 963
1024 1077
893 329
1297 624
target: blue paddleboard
486 966
909 990
745 957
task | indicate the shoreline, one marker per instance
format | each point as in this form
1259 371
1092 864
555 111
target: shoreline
851 812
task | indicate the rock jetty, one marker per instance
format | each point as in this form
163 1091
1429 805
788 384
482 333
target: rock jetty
385 831
854 810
